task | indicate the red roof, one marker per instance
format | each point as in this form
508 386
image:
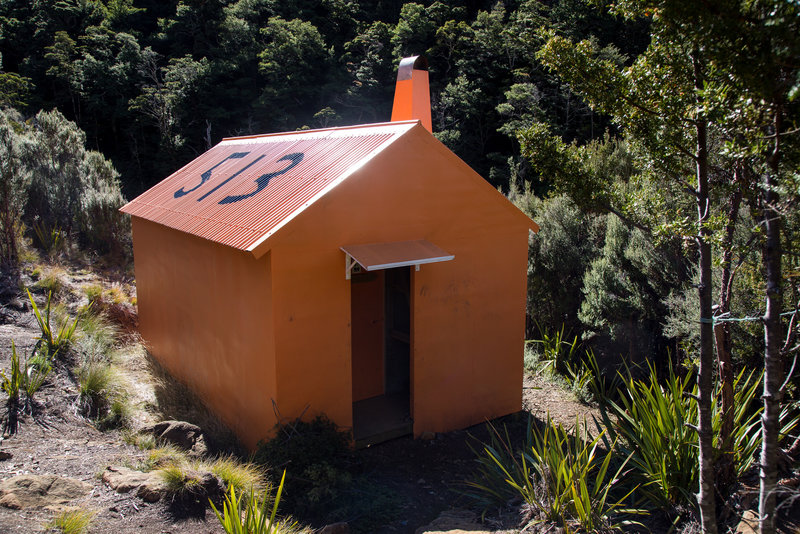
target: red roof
244 189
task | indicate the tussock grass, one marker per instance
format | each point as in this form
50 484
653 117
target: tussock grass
50 279
96 335
164 455
240 475
102 394
180 481
72 521
143 442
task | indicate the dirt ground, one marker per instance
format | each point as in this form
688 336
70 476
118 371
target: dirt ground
423 476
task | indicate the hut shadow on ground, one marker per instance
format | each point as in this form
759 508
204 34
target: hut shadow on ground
175 400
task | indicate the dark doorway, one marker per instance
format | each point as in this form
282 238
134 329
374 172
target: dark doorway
381 351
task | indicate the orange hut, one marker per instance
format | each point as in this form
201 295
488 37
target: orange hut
363 272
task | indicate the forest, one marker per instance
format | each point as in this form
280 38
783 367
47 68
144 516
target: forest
656 142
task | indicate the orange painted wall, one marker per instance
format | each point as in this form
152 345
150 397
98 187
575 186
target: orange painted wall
468 314
206 314
367 327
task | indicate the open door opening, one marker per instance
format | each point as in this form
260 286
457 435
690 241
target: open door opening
381 352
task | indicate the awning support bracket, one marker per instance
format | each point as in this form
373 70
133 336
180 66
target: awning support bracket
349 263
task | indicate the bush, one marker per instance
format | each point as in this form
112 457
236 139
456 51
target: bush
304 448
13 187
317 458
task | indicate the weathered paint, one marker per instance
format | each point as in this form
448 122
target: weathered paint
246 331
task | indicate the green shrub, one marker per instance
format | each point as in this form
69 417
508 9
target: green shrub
565 479
72 521
318 459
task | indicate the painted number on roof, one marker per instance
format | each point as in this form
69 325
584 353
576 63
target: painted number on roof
261 182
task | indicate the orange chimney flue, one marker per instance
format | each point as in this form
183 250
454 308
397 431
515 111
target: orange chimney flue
412 94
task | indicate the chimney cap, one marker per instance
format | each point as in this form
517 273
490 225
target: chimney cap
408 64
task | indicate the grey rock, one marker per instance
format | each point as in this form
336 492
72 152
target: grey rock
38 491
184 435
148 486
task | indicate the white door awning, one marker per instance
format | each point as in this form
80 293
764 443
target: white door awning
377 256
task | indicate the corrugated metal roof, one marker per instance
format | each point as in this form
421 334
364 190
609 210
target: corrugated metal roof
245 188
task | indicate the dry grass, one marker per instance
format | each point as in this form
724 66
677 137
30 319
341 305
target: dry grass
50 278
242 476
72 521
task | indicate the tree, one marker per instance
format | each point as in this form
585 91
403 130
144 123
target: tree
293 60
660 101
13 185
756 44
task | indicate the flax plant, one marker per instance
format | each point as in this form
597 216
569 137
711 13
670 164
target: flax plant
55 339
248 513
565 479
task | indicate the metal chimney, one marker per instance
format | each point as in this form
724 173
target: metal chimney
412 94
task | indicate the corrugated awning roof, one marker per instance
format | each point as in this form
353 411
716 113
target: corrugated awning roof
244 189
377 256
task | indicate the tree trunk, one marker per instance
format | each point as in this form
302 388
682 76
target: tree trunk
705 495
725 468
773 375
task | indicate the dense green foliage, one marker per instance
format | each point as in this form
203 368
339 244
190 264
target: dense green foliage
154 83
